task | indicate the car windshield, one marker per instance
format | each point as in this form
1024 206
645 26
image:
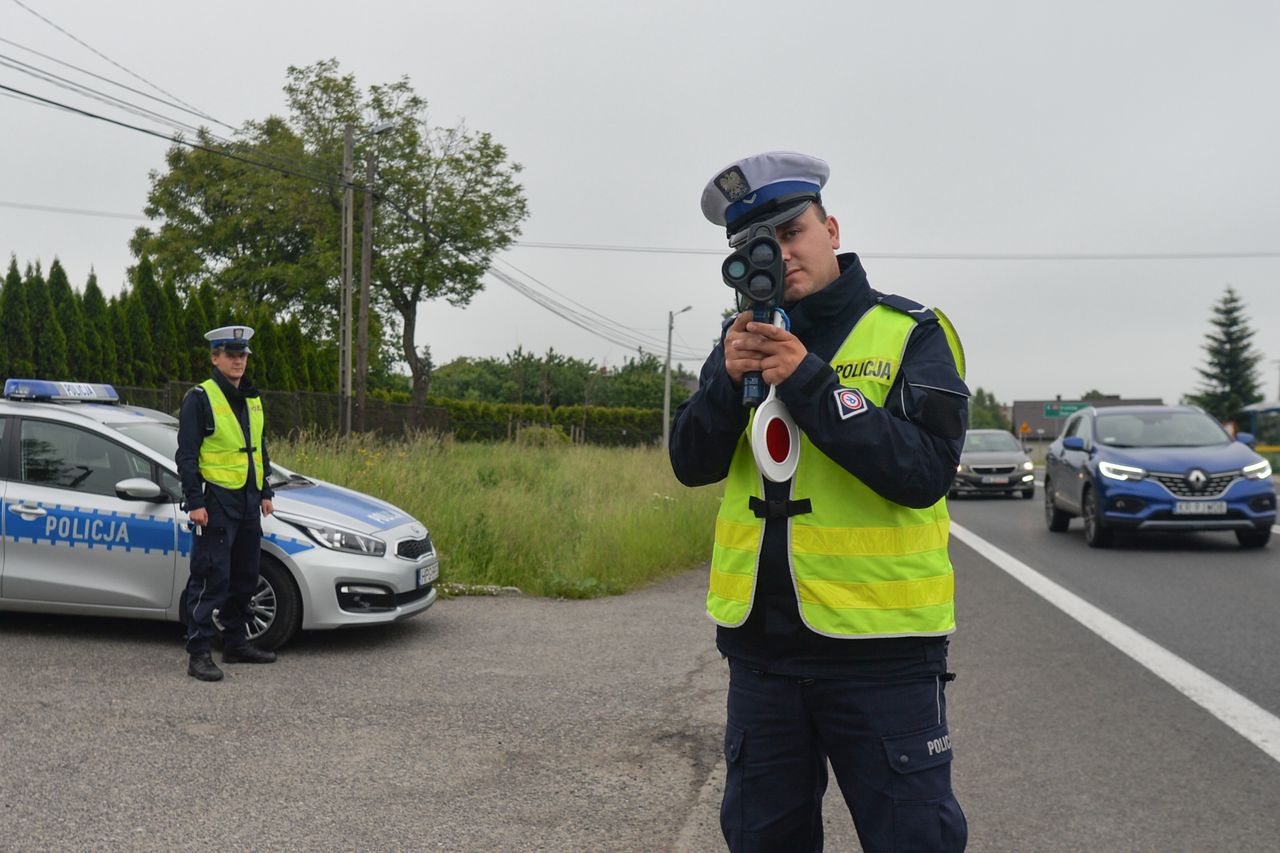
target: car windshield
990 442
163 439
1159 429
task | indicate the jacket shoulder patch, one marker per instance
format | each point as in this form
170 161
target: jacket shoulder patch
909 307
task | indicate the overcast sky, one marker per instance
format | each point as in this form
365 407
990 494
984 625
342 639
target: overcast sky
952 129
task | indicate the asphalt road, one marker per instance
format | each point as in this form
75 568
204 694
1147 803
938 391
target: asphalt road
495 724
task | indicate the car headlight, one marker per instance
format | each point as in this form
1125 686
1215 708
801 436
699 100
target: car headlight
1258 470
959 468
1028 466
338 538
1120 472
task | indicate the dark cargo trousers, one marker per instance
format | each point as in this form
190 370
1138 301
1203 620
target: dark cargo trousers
887 740
224 577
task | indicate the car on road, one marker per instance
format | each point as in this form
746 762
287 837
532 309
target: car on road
92 525
993 462
1156 468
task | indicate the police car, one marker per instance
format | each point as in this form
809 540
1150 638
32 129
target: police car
91 525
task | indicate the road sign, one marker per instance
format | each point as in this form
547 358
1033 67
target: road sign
1025 428
1062 410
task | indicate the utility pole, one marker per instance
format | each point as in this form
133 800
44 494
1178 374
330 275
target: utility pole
366 279
344 310
666 379
366 273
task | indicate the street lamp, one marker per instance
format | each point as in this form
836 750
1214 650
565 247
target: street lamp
344 309
666 379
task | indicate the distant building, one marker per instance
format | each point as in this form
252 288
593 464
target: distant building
1042 420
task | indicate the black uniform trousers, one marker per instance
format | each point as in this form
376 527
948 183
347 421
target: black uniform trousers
885 734
224 576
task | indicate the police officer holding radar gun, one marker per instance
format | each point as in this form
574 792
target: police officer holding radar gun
830 581
224 468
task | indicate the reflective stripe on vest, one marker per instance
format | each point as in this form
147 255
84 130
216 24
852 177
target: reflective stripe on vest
861 565
223 460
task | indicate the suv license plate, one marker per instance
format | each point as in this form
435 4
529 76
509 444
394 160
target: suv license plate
990 479
427 574
1200 508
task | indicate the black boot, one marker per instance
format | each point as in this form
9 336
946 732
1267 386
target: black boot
247 654
201 666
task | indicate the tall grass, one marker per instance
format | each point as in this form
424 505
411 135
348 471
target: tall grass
567 520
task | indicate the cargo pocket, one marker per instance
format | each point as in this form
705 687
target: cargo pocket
926 816
731 812
209 551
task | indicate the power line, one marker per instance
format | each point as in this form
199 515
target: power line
939 256
79 88
76 211
117 83
112 61
102 97
177 140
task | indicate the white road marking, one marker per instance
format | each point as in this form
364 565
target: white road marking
1253 722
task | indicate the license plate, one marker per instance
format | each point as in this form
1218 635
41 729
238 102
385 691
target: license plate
991 479
1200 508
427 574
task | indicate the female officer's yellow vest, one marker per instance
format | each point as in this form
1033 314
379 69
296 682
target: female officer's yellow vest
861 565
223 460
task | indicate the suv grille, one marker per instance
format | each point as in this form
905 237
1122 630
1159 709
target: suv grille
1180 485
993 469
412 549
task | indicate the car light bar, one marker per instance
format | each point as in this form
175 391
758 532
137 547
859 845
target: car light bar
59 392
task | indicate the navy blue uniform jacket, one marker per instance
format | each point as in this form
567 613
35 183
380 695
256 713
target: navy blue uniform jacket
906 451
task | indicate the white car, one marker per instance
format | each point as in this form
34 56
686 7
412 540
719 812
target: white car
92 525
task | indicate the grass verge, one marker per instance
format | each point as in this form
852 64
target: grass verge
563 521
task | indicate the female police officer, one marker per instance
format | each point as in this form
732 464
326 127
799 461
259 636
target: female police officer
223 462
832 591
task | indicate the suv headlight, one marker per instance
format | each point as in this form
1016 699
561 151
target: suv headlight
1258 470
1028 466
338 538
1120 472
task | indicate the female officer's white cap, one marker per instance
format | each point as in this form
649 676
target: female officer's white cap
229 338
763 184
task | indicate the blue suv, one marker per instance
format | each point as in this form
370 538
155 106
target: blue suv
1156 468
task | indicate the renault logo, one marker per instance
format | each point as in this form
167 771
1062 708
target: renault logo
1197 479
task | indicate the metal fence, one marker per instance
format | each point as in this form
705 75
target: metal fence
290 413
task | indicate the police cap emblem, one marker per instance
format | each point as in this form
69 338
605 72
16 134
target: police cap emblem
732 184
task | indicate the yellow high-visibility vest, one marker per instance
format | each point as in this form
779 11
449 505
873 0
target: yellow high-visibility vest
862 566
223 457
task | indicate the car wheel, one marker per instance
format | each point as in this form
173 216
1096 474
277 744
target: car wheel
275 610
1029 493
1054 517
1254 538
1095 530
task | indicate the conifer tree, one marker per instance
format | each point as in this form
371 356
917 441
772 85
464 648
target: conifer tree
66 305
194 326
97 319
15 327
164 354
46 331
139 346
296 347
117 324
1231 375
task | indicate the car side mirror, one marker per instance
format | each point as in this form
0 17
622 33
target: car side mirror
1246 438
1073 442
139 489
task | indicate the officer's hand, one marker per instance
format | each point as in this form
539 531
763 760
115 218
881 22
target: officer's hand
773 351
740 355
199 516
267 508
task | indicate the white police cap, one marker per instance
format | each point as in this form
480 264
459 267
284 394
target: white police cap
776 184
229 338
